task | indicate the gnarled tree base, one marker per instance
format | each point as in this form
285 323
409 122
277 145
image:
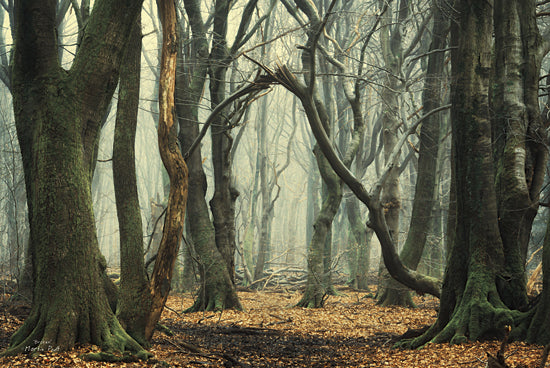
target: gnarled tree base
314 297
59 328
216 297
480 314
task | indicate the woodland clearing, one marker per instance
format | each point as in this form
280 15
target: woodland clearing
349 331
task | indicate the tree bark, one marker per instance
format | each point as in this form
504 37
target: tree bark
134 294
58 116
175 166
389 291
225 194
520 146
471 305
394 293
217 290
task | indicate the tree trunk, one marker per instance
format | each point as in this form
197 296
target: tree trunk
471 306
222 203
359 251
520 146
216 289
134 294
266 216
172 159
389 291
58 116
316 288
421 217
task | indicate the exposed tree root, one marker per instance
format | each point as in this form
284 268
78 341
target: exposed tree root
480 314
61 329
314 297
215 299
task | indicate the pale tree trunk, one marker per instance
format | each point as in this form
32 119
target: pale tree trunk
390 292
172 159
359 250
266 213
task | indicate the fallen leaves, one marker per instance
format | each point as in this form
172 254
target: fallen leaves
350 331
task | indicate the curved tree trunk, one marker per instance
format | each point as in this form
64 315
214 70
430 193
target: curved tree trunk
58 116
161 277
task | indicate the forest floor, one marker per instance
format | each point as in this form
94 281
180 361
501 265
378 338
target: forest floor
349 331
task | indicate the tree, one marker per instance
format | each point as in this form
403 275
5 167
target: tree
217 290
176 168
318 283
134 293
393 292
58 115
484 286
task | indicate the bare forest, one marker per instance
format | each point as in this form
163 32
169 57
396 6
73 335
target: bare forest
274 183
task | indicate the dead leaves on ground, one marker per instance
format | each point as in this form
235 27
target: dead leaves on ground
350 331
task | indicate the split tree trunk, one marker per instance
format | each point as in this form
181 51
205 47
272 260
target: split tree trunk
58 116
471 305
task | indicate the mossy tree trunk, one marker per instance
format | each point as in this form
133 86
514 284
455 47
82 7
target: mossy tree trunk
58 116
217 290
474 302
134 294
421 218
521 151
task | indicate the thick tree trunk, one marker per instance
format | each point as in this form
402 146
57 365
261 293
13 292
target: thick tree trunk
470 304
520 149
58 116
134 294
